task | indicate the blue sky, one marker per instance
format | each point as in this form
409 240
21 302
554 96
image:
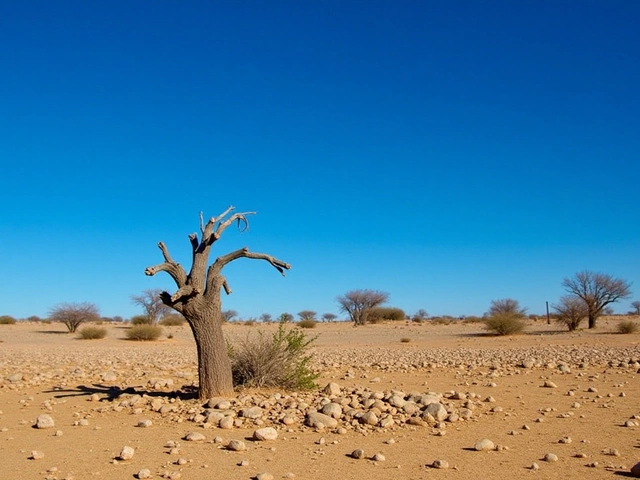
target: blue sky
447 152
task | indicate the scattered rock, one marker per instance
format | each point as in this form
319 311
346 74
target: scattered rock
45 421
236 446
264 434
484 445
144 473
36 455
194 437
264 476
550 457
126 453
440 464
358 454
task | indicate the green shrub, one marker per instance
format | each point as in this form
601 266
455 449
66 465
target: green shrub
307 323
7 320
385 313
504 324
172 320
281 360
140 320
627 326
144 332
92 333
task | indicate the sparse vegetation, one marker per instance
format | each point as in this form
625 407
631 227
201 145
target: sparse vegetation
72 315
571 311
140 320
92 332
385 313
504 324
358 303
281 360
308 323
152 304
507 306
144 333
628 326
7 320
172 320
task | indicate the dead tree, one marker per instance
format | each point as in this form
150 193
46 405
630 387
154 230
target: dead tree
198 297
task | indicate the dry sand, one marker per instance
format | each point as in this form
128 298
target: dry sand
46 371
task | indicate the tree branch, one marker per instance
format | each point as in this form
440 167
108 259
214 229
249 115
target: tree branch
222 226
245 253
172 268
193 238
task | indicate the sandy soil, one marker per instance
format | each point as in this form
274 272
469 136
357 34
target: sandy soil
46 371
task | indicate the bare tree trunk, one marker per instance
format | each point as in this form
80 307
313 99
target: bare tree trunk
214 367
592 320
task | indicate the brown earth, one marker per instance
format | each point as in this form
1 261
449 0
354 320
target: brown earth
82 385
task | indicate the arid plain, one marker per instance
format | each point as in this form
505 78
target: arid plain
572 397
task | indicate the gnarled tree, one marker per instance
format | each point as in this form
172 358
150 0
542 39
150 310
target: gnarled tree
358 303
197 297
597 290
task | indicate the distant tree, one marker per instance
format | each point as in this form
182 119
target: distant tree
608 311
507 306
307 315
152 304
140 320
597 290
72 315
7 320
636 307
377 314
285 317
266 318
228 315
34 318
420 316
357 303
328 317
571 310
198 297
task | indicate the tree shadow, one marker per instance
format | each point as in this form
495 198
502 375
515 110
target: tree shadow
53 332
110 393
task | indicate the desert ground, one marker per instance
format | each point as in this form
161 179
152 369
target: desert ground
572 397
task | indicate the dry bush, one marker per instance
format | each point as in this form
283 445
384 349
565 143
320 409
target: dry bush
140 320
281 360
385 313
627 326
144 333
473 319
308 323
249 322
504 324
172 320
7 320
441 321
92 333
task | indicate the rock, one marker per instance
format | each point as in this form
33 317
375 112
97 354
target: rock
437 411
144 473
635 470
332 389
251 412
440 464
36 455
45 421
144 423
378 457
264 476
358 454
534 466
549 384
369 418
226 423
194 437
126 453
314 419
236 446
550 457
484 445
333 410
265 434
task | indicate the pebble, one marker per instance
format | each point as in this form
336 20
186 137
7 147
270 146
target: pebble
357 454
264 476
126 453
550 457
236 446
484 445
440 464
144 473
36 455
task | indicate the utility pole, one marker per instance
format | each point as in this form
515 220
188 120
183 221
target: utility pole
548 318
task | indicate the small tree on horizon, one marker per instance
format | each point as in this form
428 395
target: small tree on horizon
636 307
152 304
597 290
228 315
198 294
307 315
72 315
328 317
507 306
357 303
571 311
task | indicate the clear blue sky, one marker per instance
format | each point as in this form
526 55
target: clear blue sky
447 152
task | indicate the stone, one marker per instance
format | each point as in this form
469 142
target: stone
265 434
333 410
144 423
378 457
314 419
236 446
251 412
358 454
126 453
369 418
194 437
635 470
549 384
484 445
264 476
36 455
45 421
332 389
440 464
144 473
437 411
550 457
226 423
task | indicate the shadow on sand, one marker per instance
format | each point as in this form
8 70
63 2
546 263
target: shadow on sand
110 393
